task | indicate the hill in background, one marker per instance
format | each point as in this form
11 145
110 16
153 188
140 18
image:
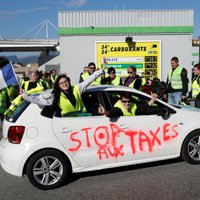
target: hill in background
25 60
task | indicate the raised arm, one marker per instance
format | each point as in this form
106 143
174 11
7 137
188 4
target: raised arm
82 86
42 100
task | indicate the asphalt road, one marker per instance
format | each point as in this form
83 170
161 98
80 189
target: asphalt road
172 179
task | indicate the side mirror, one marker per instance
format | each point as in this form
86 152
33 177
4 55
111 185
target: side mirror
164 112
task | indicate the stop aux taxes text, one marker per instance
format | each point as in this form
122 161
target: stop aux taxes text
105 137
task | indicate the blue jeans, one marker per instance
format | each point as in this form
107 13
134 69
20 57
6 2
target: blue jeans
174 98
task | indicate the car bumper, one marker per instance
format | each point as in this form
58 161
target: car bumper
13 157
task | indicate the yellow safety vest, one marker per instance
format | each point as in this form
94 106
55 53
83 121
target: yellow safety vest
143 80
133 108
11 92
42 81
95 82
15 103
195 87
67 109
132 84
3 98
115 81
38 89
175 78
53 78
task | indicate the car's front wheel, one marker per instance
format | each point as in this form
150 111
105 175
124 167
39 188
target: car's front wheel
48 169
191 148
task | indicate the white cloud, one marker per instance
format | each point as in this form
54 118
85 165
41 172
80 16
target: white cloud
74 3
21 11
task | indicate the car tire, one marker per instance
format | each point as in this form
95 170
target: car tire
191 148
48 169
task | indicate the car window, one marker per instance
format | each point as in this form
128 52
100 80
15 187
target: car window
91 102
14 115
139 100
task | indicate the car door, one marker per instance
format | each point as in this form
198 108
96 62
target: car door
146 137
88 137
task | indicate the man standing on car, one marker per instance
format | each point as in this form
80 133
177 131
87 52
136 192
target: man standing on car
177 82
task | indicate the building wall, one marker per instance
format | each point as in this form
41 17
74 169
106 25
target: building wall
125 18
80 30
77 51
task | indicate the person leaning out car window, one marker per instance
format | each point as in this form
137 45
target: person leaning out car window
125 107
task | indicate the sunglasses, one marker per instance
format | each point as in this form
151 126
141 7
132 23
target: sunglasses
64 82
126 101
92 68
130 72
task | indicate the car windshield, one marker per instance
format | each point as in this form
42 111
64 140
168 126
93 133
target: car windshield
14 115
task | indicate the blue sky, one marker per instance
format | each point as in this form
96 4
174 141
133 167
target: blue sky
18 17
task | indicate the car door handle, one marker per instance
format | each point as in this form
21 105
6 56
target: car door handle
123 126
66 130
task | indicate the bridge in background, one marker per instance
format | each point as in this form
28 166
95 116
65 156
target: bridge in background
33 44
29 45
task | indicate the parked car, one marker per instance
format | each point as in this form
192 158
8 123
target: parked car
48 150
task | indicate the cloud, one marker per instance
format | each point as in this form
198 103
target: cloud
74 3
22 11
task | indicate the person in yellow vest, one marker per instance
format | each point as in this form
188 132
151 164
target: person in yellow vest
41 80
53 76
4 102
33 85
143 78
91 69
112 79
12 91
195 91
125 107
25 76
65 99
151 75
85 69
133 80
177 82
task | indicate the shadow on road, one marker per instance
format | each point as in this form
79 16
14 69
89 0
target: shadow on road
77 176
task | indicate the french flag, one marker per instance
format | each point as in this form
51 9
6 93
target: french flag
7 73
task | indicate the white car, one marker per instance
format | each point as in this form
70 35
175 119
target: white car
48 150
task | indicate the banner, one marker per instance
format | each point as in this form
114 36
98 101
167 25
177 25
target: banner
144 55
7 73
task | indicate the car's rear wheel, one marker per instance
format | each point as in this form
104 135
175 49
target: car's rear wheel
191 148
48 169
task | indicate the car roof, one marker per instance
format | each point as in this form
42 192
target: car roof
100 88
112 88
